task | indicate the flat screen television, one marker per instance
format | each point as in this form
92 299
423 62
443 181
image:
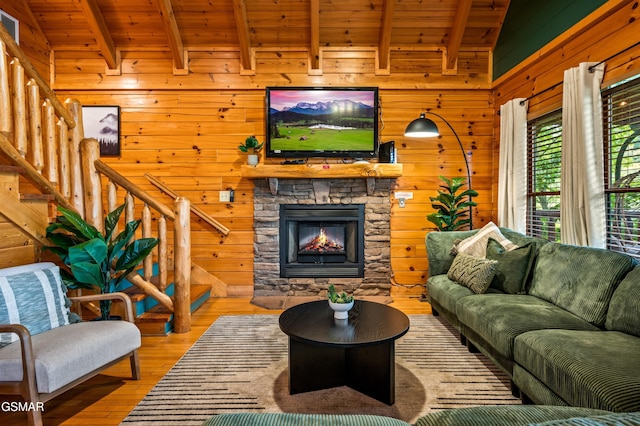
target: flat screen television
322 122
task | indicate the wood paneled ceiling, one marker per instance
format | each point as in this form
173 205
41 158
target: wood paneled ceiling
181 26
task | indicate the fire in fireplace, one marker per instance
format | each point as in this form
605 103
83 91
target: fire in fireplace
321 240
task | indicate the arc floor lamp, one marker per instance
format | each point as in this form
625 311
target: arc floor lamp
423 127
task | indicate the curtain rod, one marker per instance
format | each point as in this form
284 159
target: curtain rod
591 69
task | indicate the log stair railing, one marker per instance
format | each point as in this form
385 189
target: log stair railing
43 139
194 209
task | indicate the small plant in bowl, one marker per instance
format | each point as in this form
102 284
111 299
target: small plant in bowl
341 303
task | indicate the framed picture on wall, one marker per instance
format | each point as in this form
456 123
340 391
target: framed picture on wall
102 122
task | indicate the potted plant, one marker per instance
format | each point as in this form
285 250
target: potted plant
252 147
341 303
452 208
97 261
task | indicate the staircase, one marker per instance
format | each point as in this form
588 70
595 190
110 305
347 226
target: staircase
154 319
45 161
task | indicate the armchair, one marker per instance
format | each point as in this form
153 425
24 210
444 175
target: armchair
52 354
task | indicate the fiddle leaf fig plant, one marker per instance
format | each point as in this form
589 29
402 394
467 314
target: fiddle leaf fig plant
97 261
452 208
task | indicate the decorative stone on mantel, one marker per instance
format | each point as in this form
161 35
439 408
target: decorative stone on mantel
368 171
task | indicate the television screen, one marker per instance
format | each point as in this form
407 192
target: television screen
322 122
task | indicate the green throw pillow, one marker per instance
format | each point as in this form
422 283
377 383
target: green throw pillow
513 266
472 272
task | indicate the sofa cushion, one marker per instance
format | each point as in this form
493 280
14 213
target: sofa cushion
67 353
513 266
613 419
579 279
624 309
34 296
472 272
439 249
294 419
500 318
476 245
507 415
577 366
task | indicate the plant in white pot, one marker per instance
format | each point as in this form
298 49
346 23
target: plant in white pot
251 146
341 303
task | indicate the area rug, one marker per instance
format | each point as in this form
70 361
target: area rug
240 364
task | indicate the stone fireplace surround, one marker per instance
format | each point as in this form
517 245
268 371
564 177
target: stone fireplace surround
339 191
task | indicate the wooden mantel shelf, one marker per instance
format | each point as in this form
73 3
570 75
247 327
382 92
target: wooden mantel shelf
369 171
323 171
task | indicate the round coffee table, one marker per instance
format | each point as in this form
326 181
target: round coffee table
358 352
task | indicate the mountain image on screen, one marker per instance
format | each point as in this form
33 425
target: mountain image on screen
338 121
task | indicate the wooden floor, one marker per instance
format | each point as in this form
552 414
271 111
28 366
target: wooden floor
109 397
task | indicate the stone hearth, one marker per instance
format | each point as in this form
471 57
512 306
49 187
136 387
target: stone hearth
377 235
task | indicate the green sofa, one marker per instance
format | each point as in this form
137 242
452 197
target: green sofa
509 415
562 321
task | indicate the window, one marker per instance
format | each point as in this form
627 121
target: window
621 115
544 142
11 24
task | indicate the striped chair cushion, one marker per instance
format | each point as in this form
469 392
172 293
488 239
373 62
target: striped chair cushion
32 295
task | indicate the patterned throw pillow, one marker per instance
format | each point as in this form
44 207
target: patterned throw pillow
476 245
34 297
472 272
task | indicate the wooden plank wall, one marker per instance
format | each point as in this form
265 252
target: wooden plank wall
611 29
185 130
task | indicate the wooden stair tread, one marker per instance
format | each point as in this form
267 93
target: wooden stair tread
160 313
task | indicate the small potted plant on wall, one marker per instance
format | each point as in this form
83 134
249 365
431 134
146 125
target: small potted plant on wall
251 146
97 261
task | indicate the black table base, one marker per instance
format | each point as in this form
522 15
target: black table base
358 352
369 369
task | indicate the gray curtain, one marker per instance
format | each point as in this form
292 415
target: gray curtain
582 203
512 174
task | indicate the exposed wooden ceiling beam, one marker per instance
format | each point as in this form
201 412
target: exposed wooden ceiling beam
242 26
100 31
36 24
315 34
384 44
173 33
457 31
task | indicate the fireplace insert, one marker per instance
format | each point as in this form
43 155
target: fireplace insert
321 240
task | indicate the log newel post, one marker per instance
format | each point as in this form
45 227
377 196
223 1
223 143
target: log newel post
182 269
90 152
75 136
6 117
19 96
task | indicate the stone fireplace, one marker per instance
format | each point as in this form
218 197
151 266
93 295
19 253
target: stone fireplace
319 241
310 233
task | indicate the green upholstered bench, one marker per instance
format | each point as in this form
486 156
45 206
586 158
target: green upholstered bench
507 415
290 419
